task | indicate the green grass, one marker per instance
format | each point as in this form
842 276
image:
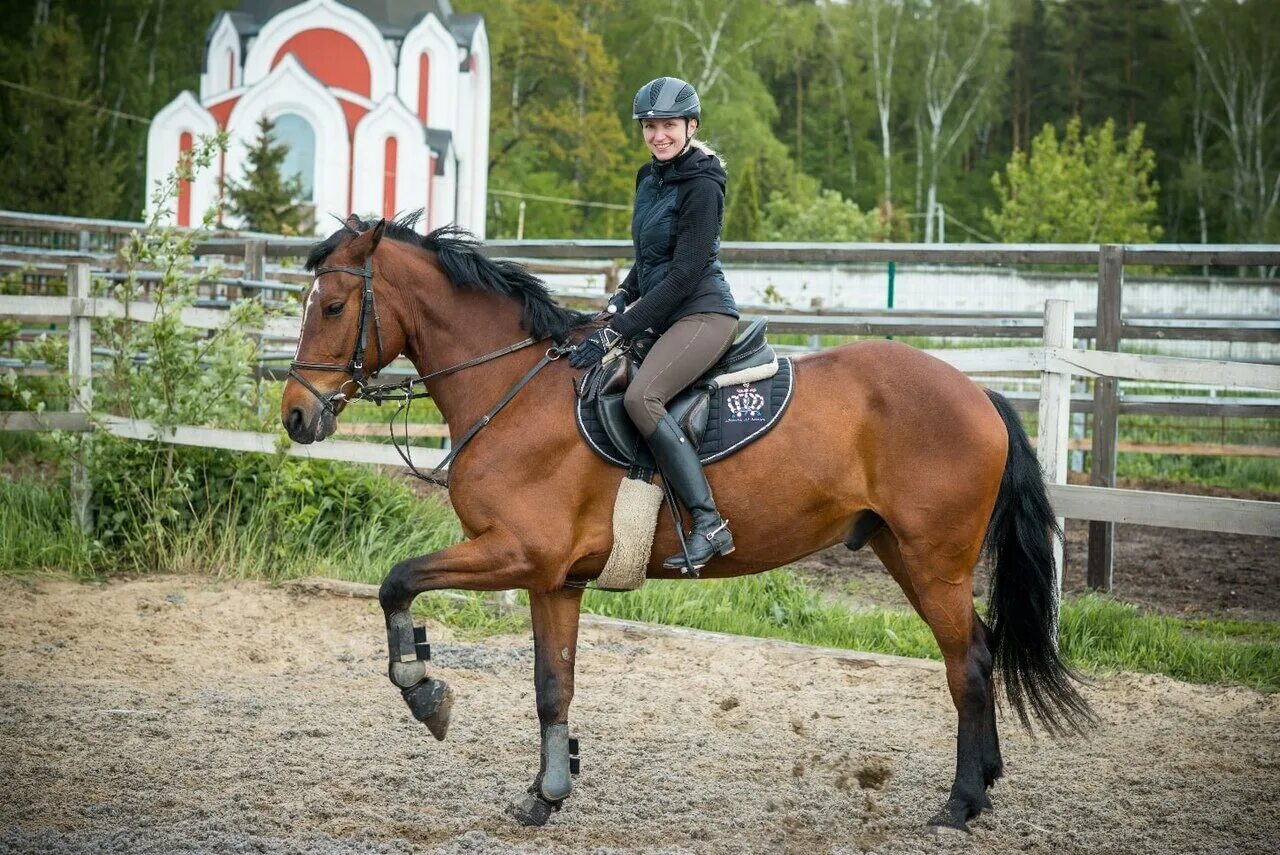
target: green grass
1098 634
354 523
37 532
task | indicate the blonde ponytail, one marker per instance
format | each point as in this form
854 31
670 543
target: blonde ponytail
706 147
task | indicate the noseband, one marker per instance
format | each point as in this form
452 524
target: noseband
355 365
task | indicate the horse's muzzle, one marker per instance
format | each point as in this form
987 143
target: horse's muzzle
306 428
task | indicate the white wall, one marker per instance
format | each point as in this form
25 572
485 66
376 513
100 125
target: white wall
182 114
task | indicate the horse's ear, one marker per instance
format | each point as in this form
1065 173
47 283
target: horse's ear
363 245
354 223
376 235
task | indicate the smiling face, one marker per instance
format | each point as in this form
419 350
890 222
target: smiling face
666 138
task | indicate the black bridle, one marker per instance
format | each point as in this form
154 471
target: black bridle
404 391
355 365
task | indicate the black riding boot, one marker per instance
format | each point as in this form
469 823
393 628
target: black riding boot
683 471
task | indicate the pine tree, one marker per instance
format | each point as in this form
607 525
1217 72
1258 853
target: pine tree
266 201
55 160
743 220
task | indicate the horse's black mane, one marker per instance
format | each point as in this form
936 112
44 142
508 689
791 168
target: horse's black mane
459 255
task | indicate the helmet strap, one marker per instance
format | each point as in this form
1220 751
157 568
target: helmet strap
688 138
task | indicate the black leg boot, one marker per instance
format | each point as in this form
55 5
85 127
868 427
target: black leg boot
683 471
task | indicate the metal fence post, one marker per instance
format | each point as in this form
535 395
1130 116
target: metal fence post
80 379
1102 471
1055 407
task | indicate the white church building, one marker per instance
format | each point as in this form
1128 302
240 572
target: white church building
384 105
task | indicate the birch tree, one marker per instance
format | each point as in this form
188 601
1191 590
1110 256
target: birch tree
886 20
964 58
1235 51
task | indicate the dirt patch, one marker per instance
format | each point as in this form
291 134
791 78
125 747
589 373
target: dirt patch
1169 570
175 715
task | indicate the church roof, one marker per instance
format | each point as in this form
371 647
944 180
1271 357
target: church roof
394 18
439 141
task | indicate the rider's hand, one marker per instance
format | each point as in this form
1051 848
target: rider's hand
593 348
617 305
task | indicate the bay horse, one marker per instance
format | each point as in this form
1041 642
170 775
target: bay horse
882 445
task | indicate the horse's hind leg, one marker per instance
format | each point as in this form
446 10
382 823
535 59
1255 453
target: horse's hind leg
992 762
555 644
940 588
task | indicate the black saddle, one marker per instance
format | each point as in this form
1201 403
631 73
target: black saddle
735 402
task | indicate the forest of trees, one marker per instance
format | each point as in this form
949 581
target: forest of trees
864 119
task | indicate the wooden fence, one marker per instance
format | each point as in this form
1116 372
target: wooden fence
1106 326
1055 359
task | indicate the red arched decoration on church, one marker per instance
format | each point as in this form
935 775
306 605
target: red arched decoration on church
331 57
184 187
424 85
389 179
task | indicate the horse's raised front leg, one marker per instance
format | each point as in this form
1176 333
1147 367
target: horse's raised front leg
555 644
488 563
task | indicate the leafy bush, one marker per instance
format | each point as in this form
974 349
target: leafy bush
828 217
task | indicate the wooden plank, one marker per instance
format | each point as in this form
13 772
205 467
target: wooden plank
819 253
58 223
1201 449
862 323
1106 413
45 421
35 307
1170 510
266 443
1164 405
1169 369
984 359
415 430
57 309
1266 330
1054 412
1197 254
80 382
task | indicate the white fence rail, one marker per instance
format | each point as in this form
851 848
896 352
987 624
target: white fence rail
1055 360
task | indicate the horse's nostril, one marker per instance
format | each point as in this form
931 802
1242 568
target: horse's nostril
296 418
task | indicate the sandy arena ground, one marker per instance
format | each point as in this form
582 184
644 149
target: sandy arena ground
183 715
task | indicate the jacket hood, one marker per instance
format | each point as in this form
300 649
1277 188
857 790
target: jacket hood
693 163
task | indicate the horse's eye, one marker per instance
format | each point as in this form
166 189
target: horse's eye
334 309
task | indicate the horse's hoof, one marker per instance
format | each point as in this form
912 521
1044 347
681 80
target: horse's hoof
532 811
950 819
431 702
986 802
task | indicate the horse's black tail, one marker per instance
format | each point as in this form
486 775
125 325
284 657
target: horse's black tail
1023 606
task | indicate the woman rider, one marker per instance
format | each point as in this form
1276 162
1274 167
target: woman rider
677 289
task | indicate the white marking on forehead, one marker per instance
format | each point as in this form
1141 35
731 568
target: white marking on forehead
311 298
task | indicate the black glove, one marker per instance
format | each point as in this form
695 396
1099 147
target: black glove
593 348
616 306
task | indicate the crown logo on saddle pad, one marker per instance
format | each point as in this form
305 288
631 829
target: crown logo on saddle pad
747 405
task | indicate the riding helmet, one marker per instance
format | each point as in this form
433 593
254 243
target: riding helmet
666 98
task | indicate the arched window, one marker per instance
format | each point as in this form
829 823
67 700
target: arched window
297 133
424 85
389 179
184 187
